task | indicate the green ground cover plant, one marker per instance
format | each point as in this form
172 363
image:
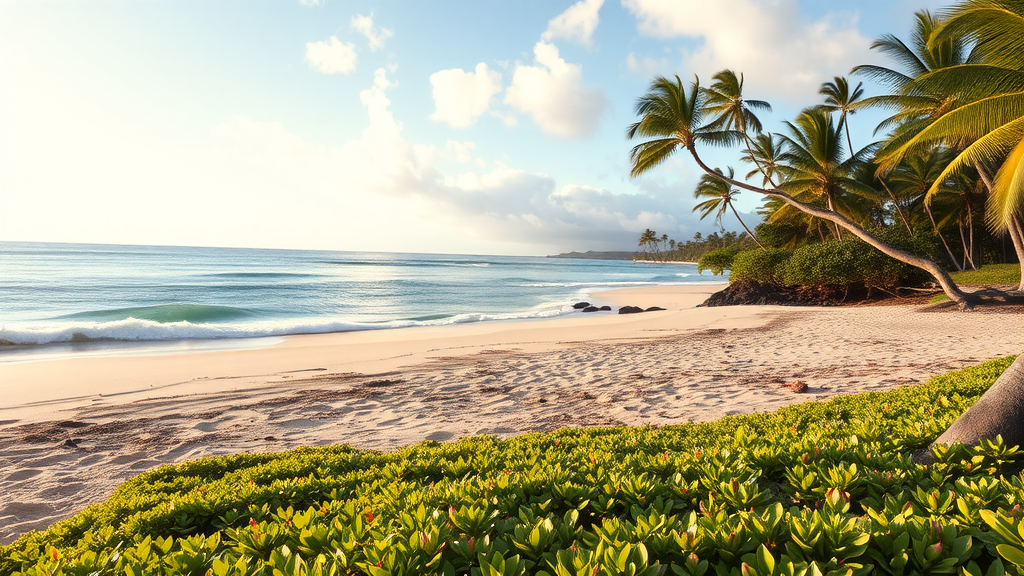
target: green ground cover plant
822 488
988 275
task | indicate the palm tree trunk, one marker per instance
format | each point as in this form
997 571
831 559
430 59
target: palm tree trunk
899 211
1017 235
1000 411
963 244
847 126
749 233
941 276
935 228
831 207
970 228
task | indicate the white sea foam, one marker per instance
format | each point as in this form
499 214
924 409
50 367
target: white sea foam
133 329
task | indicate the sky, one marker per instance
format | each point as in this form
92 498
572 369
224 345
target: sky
466 127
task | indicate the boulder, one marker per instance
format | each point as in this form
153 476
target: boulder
605 308
630 310
580 305
654 309
591 309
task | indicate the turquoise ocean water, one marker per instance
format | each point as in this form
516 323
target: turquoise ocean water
80 293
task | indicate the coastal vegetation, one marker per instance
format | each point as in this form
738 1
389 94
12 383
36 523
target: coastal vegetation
950 155
821 488
954 141
661 248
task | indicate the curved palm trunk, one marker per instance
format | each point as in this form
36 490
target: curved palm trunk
1000 411
941 276
1017 235
749 233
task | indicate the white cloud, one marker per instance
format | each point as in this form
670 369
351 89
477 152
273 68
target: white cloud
460 97
375 35
647 66
576 24
781 52
459 150
332 56
553 94
311 3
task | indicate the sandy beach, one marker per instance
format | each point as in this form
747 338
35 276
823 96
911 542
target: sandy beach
72 429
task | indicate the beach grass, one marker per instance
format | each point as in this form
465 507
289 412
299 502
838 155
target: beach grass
988 275
821 486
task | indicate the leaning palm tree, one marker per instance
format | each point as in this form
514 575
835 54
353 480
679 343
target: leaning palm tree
815 166
719 196
671 119
840 98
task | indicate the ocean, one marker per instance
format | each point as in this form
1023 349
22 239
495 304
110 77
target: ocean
81 293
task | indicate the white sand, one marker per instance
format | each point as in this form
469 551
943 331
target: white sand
390 388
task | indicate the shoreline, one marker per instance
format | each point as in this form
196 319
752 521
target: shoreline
137 372
72 430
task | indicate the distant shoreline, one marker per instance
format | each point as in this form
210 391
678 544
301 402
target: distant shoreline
664 262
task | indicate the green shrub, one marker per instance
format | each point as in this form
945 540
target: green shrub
818 488
832 263
760 266
778 235
845 263
717 261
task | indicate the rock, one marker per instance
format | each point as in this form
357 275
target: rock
70 444
580 305
798 386
270 438
654 309
605 308
591 309
630 310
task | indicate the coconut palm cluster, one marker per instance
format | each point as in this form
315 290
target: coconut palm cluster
948 162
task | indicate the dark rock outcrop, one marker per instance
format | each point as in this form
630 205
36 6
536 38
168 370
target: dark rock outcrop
591 309
654 309
580 305
605 308
630 310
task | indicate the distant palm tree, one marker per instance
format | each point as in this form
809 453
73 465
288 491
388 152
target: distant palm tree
720 195
649 242
840 98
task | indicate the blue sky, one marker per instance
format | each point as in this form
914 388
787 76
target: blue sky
459 127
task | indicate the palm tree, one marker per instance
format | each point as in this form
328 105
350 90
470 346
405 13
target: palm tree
814 165
720 195
649 242
725 101
984 117
764 153
839 98
910 182
671 118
